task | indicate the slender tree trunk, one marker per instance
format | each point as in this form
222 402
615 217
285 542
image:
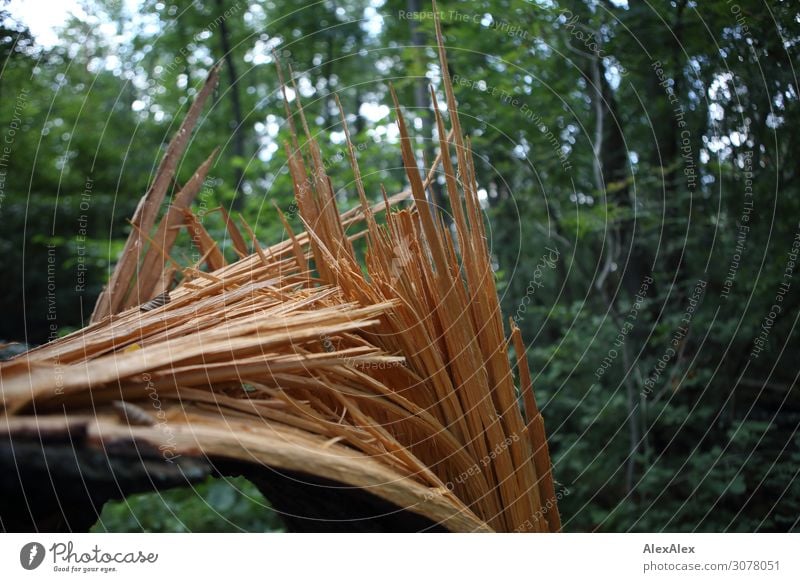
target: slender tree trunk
422 100
611 167
236 105
328 74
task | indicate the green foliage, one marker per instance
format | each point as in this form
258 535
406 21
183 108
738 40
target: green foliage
628 137
216 505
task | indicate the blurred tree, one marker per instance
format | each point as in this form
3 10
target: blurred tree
635 166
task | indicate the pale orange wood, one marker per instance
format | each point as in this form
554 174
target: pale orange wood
144 217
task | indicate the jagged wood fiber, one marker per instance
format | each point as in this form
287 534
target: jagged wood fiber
395 377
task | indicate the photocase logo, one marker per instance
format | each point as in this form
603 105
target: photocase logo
31 555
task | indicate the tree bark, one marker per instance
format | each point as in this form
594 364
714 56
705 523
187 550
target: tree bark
57 482
236 106
422 104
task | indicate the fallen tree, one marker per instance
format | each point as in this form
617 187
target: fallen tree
366 392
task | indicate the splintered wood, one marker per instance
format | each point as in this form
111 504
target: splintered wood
393 375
